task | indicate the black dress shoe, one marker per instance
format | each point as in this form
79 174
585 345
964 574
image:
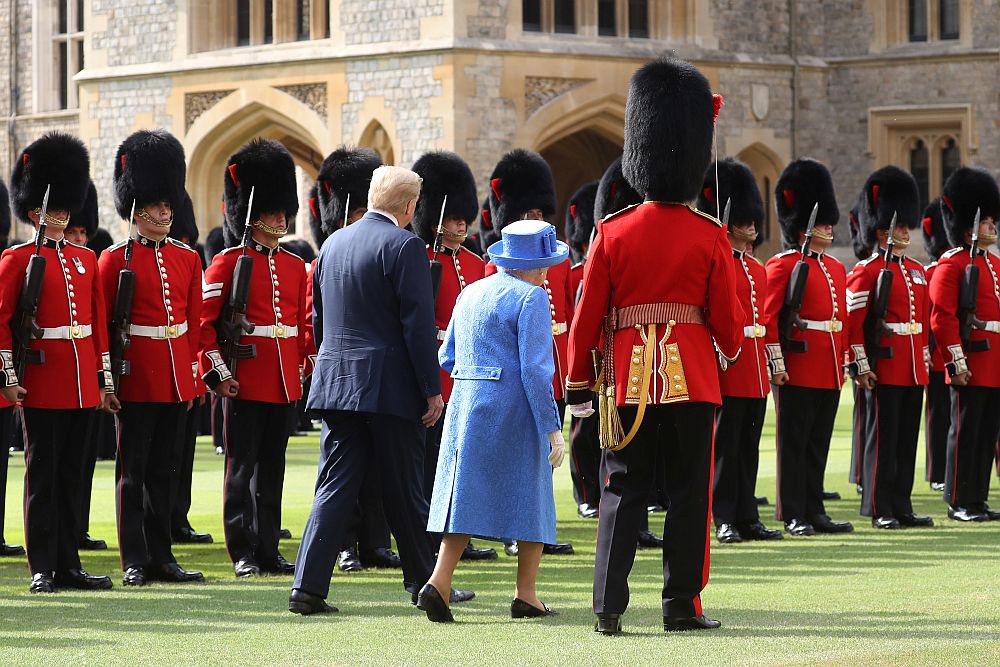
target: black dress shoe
459 595
992 515
655 507
914 521
134 576
758 531
521 609
558 549
831 495
246 567
11 549
937 486
191 536
300 602
284 534
799 528
824 524
472 553
608 624
885 522
88 543
279 566
172 573
701 622
966 514
81 580
348 561
727 534
586 511
649 540
430 602
510 549
380 557
761 500
42 583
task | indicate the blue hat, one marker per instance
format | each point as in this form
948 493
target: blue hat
528 244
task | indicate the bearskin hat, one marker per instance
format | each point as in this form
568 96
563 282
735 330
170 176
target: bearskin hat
88 217
804 183
214 243
58 160
935 235
345 172
185 225
966 190
614 192
4 215
580 217
862 249
669 124
887 191
149 168
301 248
315 219
444 173
487 235
521 181
267 167
737 185
100 241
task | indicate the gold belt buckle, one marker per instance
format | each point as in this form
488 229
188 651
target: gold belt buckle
555 329
836 326
758 331
279 331
170 331
914 327
76 331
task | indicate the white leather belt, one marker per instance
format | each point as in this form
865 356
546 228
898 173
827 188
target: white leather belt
905 328
754 331
440 334
829 326
275 331
559 328
159 333
67 332
992 326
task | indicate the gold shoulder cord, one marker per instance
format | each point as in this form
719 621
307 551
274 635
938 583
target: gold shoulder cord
613 436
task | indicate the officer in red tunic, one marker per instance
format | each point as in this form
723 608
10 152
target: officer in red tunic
806 403
6 407
59 394
156 391
522 188
937 407
862 250
652 309
972 363
890 363
261 391
744 385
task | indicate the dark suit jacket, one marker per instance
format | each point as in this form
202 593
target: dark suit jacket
373 315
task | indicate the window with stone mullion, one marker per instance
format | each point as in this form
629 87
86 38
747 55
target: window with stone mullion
948 20
918 20
67 56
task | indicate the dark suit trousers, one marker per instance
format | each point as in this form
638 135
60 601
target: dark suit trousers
182 496
738 424
354 444
93 445
149 440
53 464
805 418
891 449
585 457
6 425
858 439
938 421
975 424
256 439
684 432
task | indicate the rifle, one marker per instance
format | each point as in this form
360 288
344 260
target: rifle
233 322
436 267
874 325
788 318
967 320
24 327
121 319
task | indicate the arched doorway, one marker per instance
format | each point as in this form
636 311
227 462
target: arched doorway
766 167
376 138
577 159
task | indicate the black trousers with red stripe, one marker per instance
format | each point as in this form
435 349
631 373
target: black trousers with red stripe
738 424
149 444
805 418
684 432
938 422
6 426
185 472
858 436
53 471
892 431
585 458
975 426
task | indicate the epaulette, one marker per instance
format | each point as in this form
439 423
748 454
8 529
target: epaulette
756 259
868 260
953 252
21 245
610 216
790 251
706 216
931 265
180 244
120 244
225 251
81 247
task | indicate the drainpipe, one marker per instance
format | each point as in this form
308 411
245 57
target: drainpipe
12 96
793 52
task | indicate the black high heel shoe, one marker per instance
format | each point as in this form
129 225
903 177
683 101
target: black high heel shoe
521 609
430 602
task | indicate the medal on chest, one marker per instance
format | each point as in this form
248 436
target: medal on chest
79 266
918 277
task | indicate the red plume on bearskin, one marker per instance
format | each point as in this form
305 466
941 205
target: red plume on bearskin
888 190
345 171
56 159
936 241
804 183
444 173
966 190
315 217
580 217
267 167
149 168
521 181
613 192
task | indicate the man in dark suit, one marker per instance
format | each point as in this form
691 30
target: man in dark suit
376 384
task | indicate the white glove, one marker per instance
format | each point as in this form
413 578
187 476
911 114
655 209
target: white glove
558 448
582 410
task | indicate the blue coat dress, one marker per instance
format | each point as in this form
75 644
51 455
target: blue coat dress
493 475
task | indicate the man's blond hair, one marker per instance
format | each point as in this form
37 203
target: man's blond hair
392 188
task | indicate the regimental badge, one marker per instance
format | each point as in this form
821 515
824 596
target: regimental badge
79 265
918 277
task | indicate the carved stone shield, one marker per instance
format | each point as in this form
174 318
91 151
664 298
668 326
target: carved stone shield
760 100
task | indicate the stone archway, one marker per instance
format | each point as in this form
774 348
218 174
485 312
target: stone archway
376 138
766 167
577 159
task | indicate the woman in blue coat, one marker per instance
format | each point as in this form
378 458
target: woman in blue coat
502 432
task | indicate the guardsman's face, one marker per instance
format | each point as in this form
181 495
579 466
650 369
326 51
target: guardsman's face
54 216
822 238
900 239
153 220
987 231
455 230
356 214
275 220
533 214
76 234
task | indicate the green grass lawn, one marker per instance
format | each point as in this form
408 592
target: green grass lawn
914 597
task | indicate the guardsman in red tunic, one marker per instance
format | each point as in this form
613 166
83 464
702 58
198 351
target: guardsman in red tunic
157 389
658 286
972 358
261 391
807 381
937 407
59 394
744 385
6 407
862 250
888 357
522 188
